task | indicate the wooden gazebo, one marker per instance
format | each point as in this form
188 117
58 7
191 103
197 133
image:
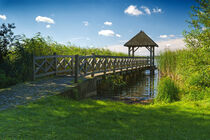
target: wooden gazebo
141 40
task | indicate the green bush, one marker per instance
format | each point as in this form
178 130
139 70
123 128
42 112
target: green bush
6 80
113 82
167 91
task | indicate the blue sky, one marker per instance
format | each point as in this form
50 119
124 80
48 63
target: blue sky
98 23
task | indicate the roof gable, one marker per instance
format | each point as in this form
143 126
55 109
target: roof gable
140 40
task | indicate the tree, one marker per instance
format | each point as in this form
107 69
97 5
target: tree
7 40
199 34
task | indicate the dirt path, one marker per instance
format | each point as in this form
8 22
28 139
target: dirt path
30 91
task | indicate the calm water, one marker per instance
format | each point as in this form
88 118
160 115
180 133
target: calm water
140 85
145 85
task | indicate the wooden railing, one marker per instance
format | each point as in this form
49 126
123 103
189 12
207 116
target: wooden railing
77 66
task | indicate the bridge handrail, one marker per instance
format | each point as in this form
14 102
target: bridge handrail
75 65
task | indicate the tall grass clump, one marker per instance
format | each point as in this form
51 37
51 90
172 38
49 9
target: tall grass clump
189 69
167 91
167 62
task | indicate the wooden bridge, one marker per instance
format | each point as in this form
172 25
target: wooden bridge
81 66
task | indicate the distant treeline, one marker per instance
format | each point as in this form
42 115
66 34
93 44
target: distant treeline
16 53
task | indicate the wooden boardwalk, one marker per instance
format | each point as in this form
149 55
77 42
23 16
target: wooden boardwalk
85 66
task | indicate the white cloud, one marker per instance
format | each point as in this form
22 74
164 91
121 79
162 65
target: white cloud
163 36
118 35
86 23
3 17
171 35
106 33
44 19
168 45
171 44
167 36
48 26
108 23
132 10
157 10
146 9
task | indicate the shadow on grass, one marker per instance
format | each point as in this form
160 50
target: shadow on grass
59 118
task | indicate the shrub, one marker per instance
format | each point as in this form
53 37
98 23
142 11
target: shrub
113 82
167 91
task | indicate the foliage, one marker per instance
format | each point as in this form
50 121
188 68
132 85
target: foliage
7 40
189 68
111 85
167 62
199 35
60 118
18 52
113 82
5 80
167 91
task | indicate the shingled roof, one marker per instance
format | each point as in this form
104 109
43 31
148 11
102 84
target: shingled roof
140 40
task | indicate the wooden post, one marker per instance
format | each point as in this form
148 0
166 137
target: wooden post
133 51
55 63
153 56
150 56
121 63
105 66
85 66
45 65
73 67
127 63
33 66
129 51
76 68
93 65
136 63
132 63
114 66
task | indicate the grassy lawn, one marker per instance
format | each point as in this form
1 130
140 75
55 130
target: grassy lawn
59 118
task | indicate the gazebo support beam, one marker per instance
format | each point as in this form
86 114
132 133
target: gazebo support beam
136 49
153 56
129 51
133 51
150 56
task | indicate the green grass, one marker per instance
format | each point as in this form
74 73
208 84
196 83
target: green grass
190 71
60 118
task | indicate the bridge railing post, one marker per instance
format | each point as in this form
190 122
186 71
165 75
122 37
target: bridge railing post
114 65
132 63
121 66
85 65
76 68
55 63
105 63
93 65
127 63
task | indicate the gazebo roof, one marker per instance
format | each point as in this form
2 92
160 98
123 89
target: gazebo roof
141 40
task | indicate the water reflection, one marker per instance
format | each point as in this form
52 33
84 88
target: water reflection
140 85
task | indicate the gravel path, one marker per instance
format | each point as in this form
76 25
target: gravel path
30 91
